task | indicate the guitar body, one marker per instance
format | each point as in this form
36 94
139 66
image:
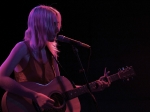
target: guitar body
54 89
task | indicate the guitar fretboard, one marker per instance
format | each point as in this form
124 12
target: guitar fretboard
83 89
113 77
79 91
93 85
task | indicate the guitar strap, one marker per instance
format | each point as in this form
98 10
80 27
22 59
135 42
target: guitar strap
50 55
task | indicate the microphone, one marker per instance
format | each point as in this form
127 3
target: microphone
63 38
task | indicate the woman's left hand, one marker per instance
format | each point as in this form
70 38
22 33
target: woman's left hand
102 82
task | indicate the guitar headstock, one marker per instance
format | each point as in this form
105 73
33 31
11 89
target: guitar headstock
126 73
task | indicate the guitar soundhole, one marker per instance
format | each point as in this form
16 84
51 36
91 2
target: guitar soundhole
59 102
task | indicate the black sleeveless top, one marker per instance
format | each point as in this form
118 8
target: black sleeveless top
35 71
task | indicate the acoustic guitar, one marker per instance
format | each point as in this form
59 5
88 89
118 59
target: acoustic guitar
60 89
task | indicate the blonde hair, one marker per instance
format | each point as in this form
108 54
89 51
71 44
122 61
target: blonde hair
41 27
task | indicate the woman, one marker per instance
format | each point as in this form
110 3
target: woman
30 60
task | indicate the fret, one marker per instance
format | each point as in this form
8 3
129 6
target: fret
113 77
93 85
75 92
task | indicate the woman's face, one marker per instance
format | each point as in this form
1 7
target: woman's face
57 26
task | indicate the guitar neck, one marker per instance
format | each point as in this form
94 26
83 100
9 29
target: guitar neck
84 89
75 92
113 77
79 91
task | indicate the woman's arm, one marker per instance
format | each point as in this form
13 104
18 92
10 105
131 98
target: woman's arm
7 83
7 67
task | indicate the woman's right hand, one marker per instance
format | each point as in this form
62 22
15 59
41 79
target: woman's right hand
43 101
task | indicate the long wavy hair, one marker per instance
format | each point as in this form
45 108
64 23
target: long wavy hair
41 27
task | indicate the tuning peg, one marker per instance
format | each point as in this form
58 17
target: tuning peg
122 68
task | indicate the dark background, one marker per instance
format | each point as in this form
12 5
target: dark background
118 33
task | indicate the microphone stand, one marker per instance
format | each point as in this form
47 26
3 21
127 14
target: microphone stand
85 77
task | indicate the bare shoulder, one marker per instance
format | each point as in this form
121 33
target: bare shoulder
15 56
20 47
